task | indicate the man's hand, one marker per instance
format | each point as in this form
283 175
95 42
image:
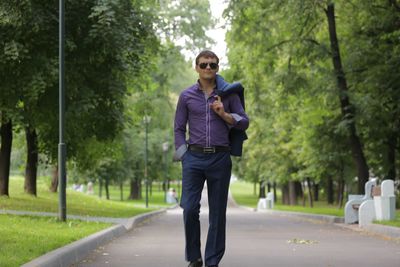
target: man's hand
218 107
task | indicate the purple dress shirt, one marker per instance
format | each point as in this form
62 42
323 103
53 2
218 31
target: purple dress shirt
206 128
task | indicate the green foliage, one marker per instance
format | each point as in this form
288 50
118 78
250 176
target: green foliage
106 45
153 95
184 21
373 56
280 51
121 65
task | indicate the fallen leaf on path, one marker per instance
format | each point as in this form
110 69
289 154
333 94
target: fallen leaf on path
302 241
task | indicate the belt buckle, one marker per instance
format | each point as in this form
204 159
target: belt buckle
209 149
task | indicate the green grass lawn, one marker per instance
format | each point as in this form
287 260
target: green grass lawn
395 223
80 203
156 195
24 238
243 193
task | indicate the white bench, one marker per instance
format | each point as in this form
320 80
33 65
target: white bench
385 203
267 202
351 209
380 206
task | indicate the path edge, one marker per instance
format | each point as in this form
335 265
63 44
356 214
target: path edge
78 250
385 231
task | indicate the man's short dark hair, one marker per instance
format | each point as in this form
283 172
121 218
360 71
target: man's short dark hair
206 54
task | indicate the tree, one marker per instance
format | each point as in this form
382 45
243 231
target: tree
105 40
283 52
5 154
17 66
372 45
112 54
346 107
184 21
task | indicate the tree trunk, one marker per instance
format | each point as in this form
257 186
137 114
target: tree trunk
100 187
274 189
106 187
341 185
121 189
135 184
5 155
135 188
346 108
285 194
329 190
31 161
292 193
310 198
54 179
299 189
316 191
340 192
262 189
392 143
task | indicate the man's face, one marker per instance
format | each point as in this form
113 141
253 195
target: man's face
207 68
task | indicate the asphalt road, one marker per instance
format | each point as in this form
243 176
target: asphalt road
254 239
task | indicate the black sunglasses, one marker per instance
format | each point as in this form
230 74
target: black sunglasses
213 65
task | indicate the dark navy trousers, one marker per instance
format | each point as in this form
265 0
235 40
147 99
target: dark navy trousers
215 169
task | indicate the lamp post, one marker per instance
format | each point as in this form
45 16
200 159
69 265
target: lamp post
62 205
165 147
146 120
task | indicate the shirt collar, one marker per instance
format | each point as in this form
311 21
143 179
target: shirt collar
199 86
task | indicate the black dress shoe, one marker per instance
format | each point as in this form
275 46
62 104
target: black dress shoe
198 263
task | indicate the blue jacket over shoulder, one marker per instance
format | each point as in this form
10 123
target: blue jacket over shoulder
236 136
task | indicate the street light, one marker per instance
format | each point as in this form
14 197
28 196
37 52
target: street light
165 147
146 121
62 205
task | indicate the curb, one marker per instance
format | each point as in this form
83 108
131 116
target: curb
310 216
78 250
318 217
385 231
389 232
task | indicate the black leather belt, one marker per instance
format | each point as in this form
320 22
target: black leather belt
209 149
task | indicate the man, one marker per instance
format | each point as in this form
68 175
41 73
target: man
206 157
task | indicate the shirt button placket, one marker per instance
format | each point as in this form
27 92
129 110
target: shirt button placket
207 122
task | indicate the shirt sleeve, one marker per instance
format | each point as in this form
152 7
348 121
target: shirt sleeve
238 113
181 117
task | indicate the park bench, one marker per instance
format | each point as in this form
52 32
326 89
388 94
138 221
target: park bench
267 202
378 203
351 209
385 203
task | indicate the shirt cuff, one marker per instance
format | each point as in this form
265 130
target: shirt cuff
236 117
180 152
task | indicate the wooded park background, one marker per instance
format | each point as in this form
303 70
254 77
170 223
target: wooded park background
321 77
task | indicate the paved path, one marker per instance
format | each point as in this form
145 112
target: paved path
253 240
